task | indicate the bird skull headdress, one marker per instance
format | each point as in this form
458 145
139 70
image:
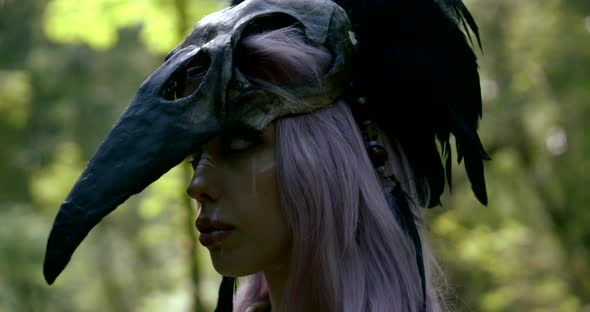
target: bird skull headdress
409 58
157 131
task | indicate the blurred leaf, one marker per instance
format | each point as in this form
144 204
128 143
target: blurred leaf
16 94
50 185
97 22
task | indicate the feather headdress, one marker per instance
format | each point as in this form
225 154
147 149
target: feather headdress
417 68
415 64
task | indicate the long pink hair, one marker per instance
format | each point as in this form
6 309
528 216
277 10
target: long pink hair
348 249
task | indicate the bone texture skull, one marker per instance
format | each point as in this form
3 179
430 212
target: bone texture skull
158 129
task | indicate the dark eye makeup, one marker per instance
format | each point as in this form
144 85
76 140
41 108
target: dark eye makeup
234 146
231 146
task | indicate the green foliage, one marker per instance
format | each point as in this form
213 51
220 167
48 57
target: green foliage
53 182
68 68
97 22
15 91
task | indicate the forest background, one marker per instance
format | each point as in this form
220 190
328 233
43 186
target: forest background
68 68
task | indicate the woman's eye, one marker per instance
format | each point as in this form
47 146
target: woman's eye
239 144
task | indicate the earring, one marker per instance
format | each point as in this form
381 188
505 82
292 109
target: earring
395 195
370 131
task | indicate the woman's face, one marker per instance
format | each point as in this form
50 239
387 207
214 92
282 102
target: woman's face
240 218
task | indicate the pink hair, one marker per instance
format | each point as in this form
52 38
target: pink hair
348 248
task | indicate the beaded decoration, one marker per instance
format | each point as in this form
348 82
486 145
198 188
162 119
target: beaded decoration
396 197
369 131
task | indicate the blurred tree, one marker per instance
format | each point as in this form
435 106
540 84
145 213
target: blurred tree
529 250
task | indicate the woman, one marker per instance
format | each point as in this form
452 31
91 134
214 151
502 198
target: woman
303 197
313 146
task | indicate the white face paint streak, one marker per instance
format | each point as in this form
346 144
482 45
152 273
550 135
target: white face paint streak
259 167
269 166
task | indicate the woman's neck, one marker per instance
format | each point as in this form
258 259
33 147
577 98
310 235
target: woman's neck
276 280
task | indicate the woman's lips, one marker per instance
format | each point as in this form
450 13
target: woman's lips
214 237
212 231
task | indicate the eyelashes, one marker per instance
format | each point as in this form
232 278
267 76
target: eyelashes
239 144
231 148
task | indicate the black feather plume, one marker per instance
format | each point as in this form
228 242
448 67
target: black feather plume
415 65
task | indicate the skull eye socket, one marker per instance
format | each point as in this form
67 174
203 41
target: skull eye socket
274 51
270 22
188 78
259 55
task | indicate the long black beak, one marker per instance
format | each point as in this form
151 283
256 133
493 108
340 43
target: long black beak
152 136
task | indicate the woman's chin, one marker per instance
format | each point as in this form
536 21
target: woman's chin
227 265
231 271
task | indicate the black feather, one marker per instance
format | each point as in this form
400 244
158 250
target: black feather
474 168
463 16
448 156
226 295
408 221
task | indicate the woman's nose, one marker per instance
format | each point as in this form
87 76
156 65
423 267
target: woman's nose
202 190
